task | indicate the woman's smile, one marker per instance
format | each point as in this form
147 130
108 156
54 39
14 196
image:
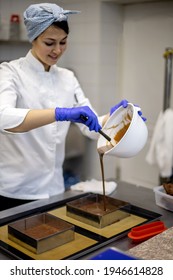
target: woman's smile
53 57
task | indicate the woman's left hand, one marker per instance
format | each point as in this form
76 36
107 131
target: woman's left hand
124 103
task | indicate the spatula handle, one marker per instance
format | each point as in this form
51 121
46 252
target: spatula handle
100 131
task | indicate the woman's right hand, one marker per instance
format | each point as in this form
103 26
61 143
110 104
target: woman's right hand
82 115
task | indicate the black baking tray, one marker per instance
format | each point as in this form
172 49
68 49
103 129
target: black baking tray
102 241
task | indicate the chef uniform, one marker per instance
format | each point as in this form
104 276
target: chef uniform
31 165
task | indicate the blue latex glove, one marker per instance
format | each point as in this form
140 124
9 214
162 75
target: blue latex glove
124 103
79 115
140 114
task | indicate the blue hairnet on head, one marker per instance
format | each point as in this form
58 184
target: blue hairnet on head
38 17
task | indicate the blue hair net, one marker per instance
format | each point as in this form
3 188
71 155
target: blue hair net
38 17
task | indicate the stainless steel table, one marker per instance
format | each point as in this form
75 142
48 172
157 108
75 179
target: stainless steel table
136 195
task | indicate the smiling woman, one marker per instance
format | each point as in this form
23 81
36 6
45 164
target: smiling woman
31 130
38 100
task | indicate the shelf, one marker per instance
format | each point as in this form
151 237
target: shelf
14 42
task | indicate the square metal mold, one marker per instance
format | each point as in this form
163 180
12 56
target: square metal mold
41 232
91 210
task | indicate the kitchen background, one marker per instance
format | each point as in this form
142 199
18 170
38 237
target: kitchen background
116 50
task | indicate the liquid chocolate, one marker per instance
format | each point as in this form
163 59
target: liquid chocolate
102 150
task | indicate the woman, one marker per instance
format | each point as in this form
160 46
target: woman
38 100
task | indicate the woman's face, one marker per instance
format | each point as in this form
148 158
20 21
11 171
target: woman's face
49 46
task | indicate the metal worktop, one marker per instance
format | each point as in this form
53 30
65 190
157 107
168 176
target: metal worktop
136 195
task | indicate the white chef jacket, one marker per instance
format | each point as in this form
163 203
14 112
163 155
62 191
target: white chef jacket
31 162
